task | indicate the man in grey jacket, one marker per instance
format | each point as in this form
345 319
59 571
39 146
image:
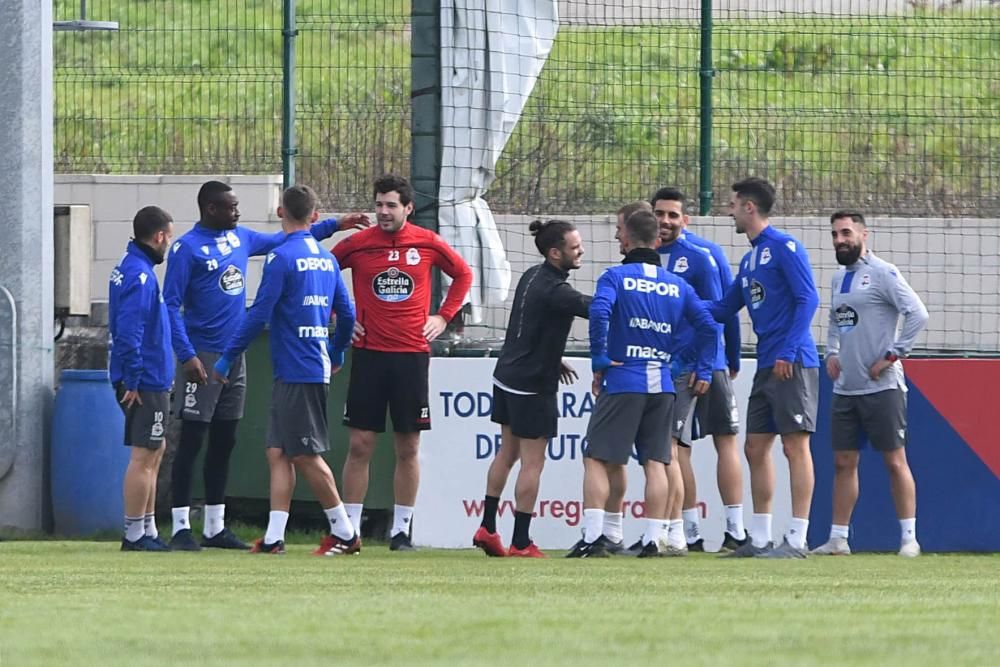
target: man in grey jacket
863 353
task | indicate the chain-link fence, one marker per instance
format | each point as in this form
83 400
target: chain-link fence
889 106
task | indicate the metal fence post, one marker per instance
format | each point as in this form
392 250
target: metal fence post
425 121
288 149
706 72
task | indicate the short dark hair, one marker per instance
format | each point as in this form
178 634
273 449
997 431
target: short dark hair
642 227
628 209
856 216
299 201
394 183
148 221
550 234
210 192
668 194
757 190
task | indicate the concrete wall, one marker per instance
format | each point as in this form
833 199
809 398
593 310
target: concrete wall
954 264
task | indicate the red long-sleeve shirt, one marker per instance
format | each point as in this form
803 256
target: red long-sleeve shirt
391 275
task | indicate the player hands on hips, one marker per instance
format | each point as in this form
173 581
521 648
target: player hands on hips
391 271
142 370
300 287
526 381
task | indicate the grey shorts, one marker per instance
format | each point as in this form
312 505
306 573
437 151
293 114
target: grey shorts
298 425
146 424
880 416
214 400
787 406
621 420
683 410
717 413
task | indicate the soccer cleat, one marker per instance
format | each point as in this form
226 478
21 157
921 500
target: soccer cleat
530 551
224 539
634 549
697 546
910 550
183 540
262 547
649 550
836 546
489 542
401 542
584 549
144 543
335 546
748 550
612 547
730 543
671 551
784 550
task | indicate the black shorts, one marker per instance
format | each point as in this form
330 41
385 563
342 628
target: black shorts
620 421
530 416
297 425
880 416
146 424
394 380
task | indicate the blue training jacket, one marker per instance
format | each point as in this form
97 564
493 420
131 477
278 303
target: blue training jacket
206 276
300 286
731 327
637 309
696 266
138 326
776 283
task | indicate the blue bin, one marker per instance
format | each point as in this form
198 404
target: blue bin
89 457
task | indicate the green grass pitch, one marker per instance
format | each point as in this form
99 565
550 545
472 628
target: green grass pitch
86 603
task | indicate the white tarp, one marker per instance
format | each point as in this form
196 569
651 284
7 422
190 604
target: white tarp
491 55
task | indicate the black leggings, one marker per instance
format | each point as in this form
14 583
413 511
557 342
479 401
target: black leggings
221 441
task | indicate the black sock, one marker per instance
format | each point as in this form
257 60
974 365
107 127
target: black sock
192 435
221 441
490 513
522 524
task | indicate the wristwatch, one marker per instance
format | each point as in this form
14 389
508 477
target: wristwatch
891 356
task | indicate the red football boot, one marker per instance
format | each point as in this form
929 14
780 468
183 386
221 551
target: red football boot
530 551
489 542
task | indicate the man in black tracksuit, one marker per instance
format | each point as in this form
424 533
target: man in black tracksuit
526 379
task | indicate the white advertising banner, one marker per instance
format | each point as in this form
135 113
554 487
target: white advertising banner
456 453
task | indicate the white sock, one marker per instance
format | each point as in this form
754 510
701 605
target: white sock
593 522
149 525
734 521
796 535
276 522
675 534
215 520
761 529
692 530
182 519
839 531
134 528
908 527
354 511
613 526
340 523
401 517
654 527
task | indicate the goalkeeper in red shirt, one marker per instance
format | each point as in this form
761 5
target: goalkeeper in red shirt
391 271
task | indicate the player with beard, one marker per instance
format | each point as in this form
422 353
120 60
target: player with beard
863 352
775 283
526 380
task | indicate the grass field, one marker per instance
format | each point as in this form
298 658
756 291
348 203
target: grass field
86 603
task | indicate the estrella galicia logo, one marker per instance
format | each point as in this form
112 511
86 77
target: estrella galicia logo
757 294
231 281
847 317
392 285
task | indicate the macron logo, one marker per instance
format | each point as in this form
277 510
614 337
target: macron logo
650 286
